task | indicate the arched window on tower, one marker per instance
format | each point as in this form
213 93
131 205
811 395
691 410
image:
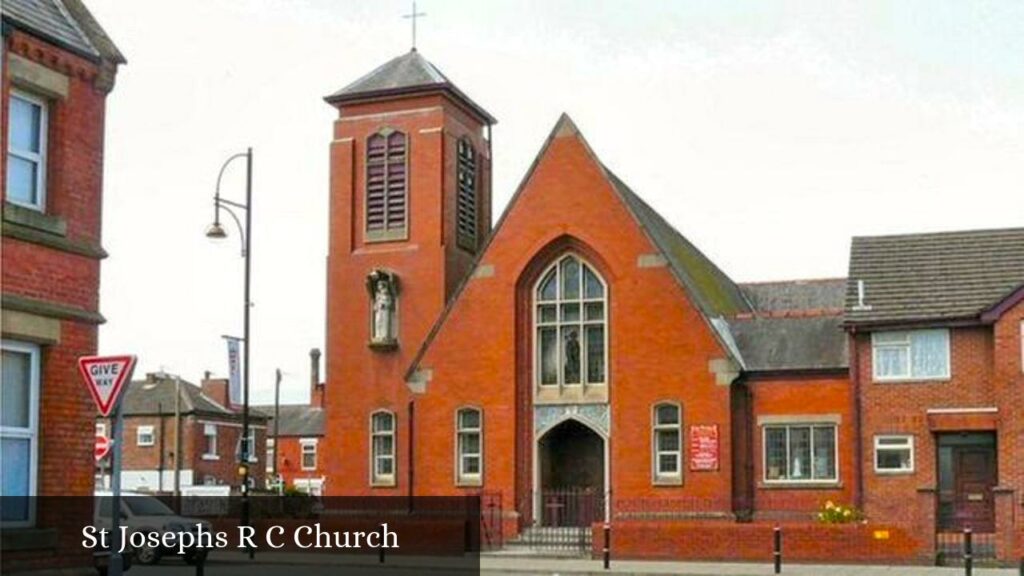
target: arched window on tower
382 448
570 321
387 189
466 199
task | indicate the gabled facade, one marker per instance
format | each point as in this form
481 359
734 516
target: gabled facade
57 67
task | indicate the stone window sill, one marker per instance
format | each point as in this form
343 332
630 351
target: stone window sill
211 457
35 219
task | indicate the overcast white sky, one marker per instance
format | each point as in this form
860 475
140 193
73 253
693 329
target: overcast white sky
769 133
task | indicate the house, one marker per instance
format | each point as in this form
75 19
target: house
295 434
583 361
58 66
178 435
936 324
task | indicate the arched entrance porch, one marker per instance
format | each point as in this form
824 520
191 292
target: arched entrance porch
571 475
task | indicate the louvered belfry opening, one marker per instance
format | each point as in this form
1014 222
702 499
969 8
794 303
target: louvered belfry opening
387 189
467 200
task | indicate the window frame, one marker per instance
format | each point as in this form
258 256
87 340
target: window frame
207 454
910 376
386 234
271 455
101 429
145 429
384 480
253 458
41 158
468 240
659 477
305 443
788 480
558 324
31 432
909 446
463 478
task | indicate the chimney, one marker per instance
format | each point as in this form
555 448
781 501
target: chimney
217 390
316 390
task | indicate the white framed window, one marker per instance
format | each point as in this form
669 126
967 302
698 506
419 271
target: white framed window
19 432
271 453
910 355
667 442
801 453
144 436
210 442
894 454
101 429
308 447
469 431
26 150
570 318
382 448
250 446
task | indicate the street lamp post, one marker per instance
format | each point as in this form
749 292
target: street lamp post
216 231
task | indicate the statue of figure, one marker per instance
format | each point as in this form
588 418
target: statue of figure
572 358
382 307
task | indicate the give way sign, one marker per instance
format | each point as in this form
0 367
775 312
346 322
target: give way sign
106 376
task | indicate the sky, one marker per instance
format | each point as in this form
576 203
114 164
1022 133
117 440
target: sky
768 132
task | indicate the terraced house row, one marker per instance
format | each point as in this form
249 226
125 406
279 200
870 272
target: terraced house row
583 362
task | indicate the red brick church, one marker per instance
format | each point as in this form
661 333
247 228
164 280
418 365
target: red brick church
586 363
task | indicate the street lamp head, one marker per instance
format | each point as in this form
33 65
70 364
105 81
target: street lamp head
216 232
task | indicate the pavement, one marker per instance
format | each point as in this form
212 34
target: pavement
230 563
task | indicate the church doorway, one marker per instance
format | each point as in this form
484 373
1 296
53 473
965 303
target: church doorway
571 476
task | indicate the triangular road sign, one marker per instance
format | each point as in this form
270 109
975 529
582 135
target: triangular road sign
105 376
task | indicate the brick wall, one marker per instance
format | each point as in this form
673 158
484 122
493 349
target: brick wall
289 459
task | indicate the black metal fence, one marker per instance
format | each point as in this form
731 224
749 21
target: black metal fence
965 548
562 520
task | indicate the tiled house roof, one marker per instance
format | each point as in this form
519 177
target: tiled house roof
295 419
933 277
67 23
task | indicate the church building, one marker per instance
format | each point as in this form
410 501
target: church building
582 360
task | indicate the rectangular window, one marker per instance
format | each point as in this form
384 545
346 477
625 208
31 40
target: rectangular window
26 150
19 432
894 454
101 429
913 355
308 453
382 449
668 443
144 436
466 212
271 454
210 442
469 439
249 447
800 453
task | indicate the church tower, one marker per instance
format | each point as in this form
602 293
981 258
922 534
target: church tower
410 206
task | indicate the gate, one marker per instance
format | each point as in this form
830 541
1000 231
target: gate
951 548
562 520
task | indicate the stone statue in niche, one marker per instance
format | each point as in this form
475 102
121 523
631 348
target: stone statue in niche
383 290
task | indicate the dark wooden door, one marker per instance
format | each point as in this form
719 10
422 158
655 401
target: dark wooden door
974 478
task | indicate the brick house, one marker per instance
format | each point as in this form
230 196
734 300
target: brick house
936 322
209 436
584 361
58 66
295 437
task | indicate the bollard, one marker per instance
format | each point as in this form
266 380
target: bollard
607 546
1022 566
200 563
380 551
777 536
968 552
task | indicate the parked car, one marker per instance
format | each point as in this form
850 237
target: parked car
146 514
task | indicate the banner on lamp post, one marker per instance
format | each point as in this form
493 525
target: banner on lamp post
234 370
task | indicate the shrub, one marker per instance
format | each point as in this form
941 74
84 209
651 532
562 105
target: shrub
831 513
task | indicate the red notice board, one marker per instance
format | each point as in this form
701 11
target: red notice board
704 447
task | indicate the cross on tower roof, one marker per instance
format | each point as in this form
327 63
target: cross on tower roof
413 16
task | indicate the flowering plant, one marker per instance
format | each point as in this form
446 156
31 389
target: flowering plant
831 513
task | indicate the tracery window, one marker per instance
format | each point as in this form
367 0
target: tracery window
570 318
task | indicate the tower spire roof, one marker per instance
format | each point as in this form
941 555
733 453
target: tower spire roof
409 73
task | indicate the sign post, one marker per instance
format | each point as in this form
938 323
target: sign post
106 377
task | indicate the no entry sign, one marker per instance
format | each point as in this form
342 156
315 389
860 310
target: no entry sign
102 447
105 376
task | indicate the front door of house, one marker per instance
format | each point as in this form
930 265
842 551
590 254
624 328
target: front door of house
967 476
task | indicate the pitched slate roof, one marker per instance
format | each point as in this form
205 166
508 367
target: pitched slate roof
155 394
295 419
406 74
67 23
933 277
795 325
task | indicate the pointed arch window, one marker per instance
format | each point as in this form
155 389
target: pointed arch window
387 186
570 318
466 199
